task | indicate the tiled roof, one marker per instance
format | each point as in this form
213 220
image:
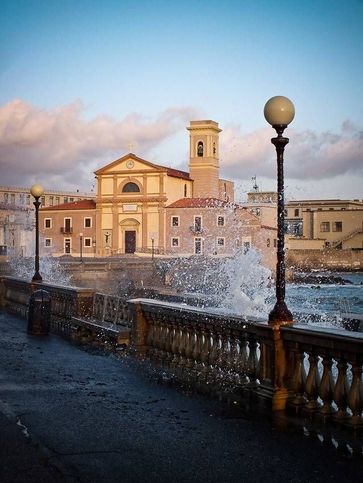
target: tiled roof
176 173
201 203
74 205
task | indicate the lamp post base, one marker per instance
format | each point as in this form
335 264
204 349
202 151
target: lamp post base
37 277
280 314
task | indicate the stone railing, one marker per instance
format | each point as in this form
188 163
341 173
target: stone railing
65 301
325 377
67 305
110 309
310 372
215 352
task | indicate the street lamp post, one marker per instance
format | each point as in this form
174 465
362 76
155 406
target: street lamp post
94 248
279 112
36 190
80 246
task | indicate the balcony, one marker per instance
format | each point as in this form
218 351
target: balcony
66 230
196 229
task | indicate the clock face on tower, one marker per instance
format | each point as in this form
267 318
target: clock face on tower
130 164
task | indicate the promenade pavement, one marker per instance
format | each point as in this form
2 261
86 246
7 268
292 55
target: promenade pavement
74 415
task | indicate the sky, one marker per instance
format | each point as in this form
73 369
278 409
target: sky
84 82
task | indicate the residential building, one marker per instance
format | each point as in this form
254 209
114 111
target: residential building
319 224
210 226
17 217
68 229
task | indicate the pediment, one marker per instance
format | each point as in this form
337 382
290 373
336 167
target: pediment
128 164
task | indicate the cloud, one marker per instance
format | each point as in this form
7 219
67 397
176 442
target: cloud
59 146
310 155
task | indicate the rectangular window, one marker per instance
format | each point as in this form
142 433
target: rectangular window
47 223
175 242
87 223
246 243
48 242
28 199
297 212
197 223
87 242
338 226
198 248
220 220
51 200
67 228
57 200
12 196
65 199
6 197
275 243
71 200
175 221
42 200
220 242
22 199
246 246
325 226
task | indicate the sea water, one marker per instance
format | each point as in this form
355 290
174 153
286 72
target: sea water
324 304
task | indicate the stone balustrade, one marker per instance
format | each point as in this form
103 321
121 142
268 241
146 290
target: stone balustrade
309 371
68 304
325 376
66 301
215 352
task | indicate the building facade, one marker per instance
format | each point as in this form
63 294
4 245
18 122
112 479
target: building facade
209 226
130 206
68 229
319 224
17 217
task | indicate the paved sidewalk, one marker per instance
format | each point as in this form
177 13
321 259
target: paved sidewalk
70 415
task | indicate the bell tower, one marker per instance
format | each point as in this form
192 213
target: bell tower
204 158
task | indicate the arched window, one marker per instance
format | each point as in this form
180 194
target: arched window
130 188
200 149
185 191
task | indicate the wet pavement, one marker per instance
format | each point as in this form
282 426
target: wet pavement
74 415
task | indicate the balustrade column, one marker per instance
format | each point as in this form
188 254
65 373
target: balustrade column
326 388
341 391
312 383
197 349
242 361
252 364
175 346
298 381
355 396
170 334
189 346
206 350
232 359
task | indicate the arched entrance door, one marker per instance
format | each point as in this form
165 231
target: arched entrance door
129 234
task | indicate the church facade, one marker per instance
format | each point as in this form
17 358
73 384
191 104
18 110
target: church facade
133 194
